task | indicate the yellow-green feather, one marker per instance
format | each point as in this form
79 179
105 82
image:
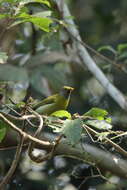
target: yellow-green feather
60 103
55 102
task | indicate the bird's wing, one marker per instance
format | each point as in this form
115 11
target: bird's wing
48 100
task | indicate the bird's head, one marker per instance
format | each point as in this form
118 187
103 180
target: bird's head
66 91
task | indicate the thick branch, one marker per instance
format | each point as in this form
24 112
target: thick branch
86 153
91 154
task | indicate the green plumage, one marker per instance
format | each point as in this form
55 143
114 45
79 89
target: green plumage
55 102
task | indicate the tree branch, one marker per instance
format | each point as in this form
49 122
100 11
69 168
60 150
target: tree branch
95 156
89 154
21 133
85 152
86 59
12 169
116 146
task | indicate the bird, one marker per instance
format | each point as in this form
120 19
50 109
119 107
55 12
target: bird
54 102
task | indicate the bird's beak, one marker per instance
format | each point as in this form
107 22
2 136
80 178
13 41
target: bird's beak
71 88
68 88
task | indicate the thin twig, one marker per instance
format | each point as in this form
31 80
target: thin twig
100 55
15 118
40 157
12 109
120 135
13 147
12 169
107 180
116 146
37 134
49 155
26 136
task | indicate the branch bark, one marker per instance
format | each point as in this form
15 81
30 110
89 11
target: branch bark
92 155
86 153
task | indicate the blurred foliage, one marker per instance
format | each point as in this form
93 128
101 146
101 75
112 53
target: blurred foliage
29 34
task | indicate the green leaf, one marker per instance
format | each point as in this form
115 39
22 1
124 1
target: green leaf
72 129
7 1
97 113
121 47
61 114
24 15
41 22
3 130
3 16
3 57
99 124
12 73
109 48
108 120
24 2
46 2
20 104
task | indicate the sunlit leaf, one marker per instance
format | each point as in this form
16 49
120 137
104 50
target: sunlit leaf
7 1
24 15
41 22
46 2
108 120
121 47
97 113
61 114
20 104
